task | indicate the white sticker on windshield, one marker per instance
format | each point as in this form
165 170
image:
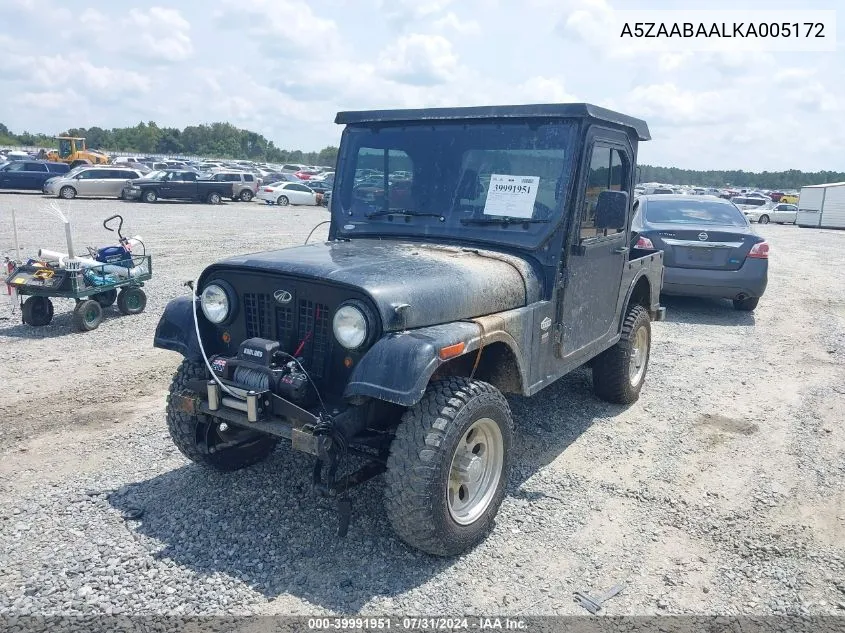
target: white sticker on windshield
513 196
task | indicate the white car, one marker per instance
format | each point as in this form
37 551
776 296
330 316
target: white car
285 193
779 213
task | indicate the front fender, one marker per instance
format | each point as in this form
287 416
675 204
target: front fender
399 367
176 331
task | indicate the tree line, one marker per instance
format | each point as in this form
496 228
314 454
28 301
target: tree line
218 140
224 140
790 179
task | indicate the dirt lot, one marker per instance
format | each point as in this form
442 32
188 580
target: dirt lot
721 491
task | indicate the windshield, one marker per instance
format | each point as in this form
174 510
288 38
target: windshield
155 175
455 179
697 212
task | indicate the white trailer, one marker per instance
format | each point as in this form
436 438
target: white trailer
822 206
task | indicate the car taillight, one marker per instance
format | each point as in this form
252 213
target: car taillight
644 242
759 251
268 190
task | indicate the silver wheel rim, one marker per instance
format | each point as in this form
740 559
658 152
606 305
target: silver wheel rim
283 202
67 193
475 471
639 354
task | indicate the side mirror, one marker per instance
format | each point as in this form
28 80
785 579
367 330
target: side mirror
612 210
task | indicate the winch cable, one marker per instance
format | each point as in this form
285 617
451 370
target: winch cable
307 336
314 229
196 300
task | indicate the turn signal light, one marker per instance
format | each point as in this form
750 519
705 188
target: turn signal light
759 251
644 242
451 351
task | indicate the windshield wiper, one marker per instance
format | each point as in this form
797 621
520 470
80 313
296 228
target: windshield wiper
406 213
504 220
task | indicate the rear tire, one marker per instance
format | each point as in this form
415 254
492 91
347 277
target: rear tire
213 198
131 301
619 372
764 219
746 305
198 437
87 315
149 196
282 201
448 466
67 193
105 299
246 195
37 311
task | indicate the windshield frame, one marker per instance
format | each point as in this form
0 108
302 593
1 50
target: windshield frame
559 134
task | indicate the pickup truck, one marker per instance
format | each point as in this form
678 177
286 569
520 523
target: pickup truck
29 174
174 184
510 263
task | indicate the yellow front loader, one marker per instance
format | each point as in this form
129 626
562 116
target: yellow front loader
73 150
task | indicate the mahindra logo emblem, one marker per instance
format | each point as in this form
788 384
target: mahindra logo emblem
702 237
282 296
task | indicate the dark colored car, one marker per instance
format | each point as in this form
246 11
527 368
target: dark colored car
710 249
29 174
507 267
320 186
177 185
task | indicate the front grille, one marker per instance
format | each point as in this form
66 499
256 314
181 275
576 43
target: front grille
314 335
257 315
303 330
306 317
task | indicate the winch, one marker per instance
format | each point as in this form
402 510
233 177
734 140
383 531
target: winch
261 365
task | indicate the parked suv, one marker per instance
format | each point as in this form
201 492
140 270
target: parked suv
244 184
393 341
29 174
107 181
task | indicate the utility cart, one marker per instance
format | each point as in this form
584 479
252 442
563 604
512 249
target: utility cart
109 275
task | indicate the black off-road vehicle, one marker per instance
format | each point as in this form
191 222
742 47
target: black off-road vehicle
490 254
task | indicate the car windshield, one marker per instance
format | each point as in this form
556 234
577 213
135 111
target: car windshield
155 175
694 211
424 179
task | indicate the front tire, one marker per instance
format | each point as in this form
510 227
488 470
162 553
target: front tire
87 315
213 198
448 466
764 219
619 372
149 196
67 193
199 438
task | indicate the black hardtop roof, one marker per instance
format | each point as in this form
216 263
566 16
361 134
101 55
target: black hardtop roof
567 110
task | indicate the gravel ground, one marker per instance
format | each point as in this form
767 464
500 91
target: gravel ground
722 491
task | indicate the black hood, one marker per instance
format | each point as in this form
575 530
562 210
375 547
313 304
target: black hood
439 283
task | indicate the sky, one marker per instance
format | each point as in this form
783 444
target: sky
283 68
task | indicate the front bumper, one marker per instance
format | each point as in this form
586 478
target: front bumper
748 281
261 411
131 194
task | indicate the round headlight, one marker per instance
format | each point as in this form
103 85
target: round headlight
215 303
350 326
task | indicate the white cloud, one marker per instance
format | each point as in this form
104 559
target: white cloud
543 90
283 28
419 59
402 12
450 21
284 67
